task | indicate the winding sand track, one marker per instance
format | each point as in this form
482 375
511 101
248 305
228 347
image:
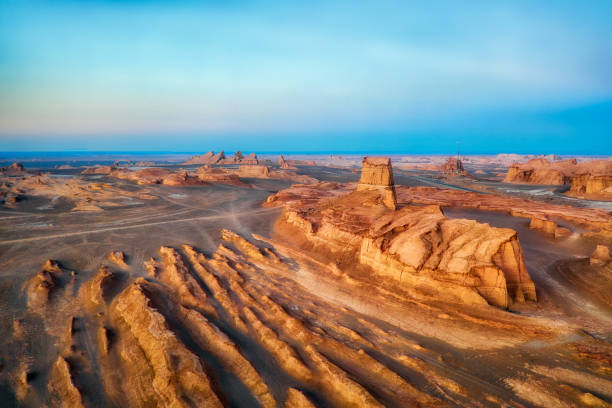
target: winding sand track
148 224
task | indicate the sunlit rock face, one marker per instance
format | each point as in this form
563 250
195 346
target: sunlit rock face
377 175
589 179
592 186
454 260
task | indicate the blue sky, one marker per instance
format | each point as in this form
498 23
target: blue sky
387 76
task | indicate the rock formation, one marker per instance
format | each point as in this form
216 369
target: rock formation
218 175
250 159
593 219
259 323
589 179
238 157
85 195
13 170
207 158
284 165
377 175
256 171
549 227
600 256
541 171
211 158
265 172
591 186
453 166
118 258
41 286
418 247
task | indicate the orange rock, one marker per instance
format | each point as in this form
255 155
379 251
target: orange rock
40 287
590 179
592 186
253 170
459 260
601 255
207 158
377 175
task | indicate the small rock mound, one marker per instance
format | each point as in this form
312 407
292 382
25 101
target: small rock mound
600 256
118 258
40 287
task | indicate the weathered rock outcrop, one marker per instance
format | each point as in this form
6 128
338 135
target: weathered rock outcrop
600 256
40 287
211 158
218 175
176 376
105 170
207 158
591 186
256 171
117 257
458 260
453 166
250 159
13 169
593 219
377 175
549 227
63 391
589 179
284 165
541 171
265 172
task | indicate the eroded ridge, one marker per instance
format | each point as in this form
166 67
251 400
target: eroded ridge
258 323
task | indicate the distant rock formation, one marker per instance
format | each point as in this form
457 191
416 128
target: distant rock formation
218 175
590 179
541 171
207 158
211 158
250 159
254 170
105 170
13 169
377 175
284 165
238 157
453 166
591 186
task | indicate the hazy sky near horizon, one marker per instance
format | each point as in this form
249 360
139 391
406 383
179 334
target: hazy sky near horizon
396 76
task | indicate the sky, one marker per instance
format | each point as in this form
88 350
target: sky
307 76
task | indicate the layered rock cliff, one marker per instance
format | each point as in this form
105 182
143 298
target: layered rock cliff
541 171
592 186
590 179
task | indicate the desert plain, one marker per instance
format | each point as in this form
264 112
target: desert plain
306 281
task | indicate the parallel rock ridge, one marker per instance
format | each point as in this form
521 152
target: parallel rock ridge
216 332
250 326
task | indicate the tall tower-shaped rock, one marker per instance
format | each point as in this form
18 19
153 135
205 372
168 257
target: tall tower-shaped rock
377 175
